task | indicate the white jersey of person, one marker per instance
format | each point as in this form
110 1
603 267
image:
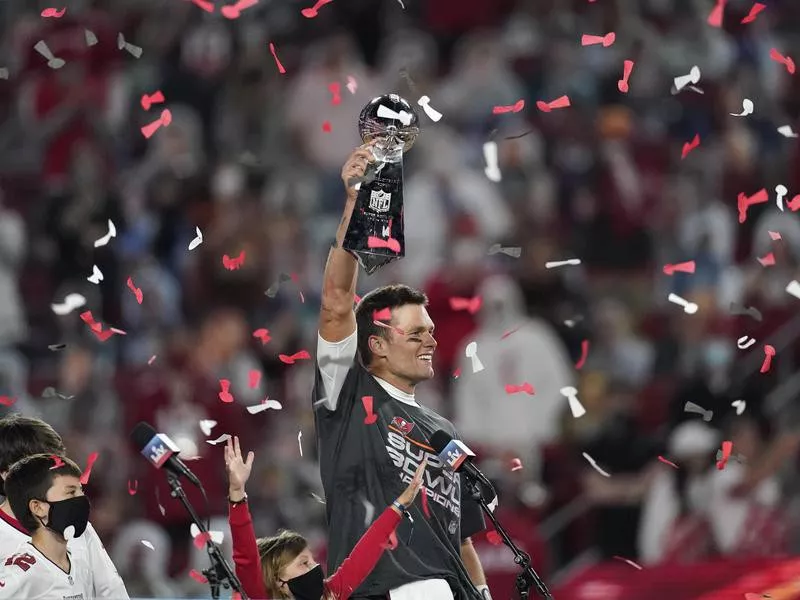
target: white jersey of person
88 548
27 573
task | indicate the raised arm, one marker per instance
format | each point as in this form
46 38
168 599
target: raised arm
336 318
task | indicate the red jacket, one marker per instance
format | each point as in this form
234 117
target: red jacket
341 584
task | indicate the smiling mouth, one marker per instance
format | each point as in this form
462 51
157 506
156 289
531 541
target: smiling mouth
428 358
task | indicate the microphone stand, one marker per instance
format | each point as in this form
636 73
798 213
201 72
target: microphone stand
528 577
220 572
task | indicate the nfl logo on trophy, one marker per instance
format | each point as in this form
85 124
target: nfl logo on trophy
379 201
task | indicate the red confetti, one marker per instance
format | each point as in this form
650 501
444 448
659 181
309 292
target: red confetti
784 60
136 291
371 416
391 543
326 127
769 352
277 60
606 40
774 235
132 489
751 16
385 314
356 298
743 202
768 260
335 89
471 305
689 146
794 203
234 11
667 462
726 454
425 509
684 267
715 18
515 108
57 462
97 328
310 13
88 470
262 335
201 539
155 98
225 394
255 378
457 373
525 387
7 400
562 102
205 5
516 464
233 263
376 242
289 360
509 332
584 354
165 119
493 538
198 576
53 12
627 69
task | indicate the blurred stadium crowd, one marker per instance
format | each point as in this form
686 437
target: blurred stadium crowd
246 159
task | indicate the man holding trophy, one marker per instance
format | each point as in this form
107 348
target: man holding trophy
371 433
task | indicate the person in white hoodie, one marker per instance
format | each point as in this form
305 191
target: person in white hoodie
485 413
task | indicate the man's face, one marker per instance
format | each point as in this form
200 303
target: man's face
409 355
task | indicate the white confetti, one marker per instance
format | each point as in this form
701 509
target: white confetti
352 84
71 302
594 465
786 131
96 276
370 511
300 441
492 170
197 240
781 190
683 80
574 404
739 405
745 342
223 438
689 308
472 353
216 536
793 289
147 544
433 114
206 425
561 263
266 405
747 108
112 232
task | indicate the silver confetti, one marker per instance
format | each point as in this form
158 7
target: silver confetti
4 73
691 407
133 50
91 38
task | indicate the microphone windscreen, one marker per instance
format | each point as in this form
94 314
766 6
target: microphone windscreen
142 434
440 439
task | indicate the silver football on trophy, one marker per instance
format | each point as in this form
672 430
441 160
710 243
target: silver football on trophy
390 124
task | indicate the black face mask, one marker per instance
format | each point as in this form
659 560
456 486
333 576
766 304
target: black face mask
308 586
70 512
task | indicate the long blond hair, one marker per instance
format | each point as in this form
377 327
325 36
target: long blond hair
276 553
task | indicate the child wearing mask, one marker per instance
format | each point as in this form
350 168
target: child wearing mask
282 566
46 496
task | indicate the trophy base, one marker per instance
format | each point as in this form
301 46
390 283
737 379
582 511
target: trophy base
372 262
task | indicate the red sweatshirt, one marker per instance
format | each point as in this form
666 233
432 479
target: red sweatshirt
341 584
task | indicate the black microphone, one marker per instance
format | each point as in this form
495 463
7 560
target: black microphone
161 451
456 457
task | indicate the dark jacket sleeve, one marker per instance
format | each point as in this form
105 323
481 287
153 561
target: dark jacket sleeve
245 551
364 556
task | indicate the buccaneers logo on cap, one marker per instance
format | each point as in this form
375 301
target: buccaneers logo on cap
402 425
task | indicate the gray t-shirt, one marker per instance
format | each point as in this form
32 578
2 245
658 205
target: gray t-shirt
374 463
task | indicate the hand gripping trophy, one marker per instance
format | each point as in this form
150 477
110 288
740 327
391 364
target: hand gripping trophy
375 234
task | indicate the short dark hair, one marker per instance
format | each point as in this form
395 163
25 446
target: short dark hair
387 296
30 478
22 436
